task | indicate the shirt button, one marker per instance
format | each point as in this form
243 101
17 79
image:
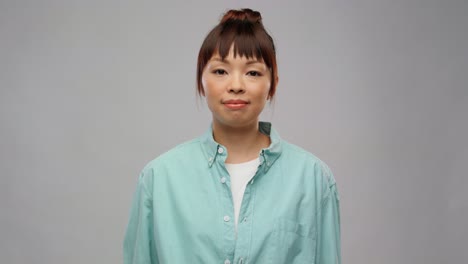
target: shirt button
220 150
226 218
227 261
223 180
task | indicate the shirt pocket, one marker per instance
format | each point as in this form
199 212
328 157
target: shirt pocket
294 242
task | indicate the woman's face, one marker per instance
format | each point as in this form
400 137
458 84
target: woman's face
236 89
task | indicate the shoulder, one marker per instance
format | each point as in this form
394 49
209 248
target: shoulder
315 170
181 151
175 156
295 155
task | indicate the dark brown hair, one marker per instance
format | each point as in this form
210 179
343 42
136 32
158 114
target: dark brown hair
245 30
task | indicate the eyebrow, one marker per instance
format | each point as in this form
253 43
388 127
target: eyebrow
226 61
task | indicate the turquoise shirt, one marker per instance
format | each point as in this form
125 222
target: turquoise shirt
183 212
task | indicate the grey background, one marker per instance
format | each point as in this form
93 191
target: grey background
93 90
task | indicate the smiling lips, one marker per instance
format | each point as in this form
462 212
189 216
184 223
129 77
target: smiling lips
235 104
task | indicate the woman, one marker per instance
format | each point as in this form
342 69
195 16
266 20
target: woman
239 193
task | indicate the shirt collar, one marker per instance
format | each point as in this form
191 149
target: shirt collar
268 156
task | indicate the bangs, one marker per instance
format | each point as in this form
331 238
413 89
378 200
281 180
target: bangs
248 40
242 38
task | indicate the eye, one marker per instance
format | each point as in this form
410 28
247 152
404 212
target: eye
219 72
254 73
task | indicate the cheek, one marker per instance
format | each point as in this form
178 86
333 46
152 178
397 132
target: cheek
209 85
266 90
211 93
204 83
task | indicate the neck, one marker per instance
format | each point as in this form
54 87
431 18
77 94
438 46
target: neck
242 143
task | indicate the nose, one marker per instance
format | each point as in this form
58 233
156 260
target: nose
236 85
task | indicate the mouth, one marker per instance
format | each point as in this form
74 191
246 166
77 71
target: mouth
235 104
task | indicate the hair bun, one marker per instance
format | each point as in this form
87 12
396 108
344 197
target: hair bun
244 14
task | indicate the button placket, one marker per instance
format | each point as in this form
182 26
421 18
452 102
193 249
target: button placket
244 231
228 224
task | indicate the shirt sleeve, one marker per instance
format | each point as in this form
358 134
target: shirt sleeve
138 246
329 241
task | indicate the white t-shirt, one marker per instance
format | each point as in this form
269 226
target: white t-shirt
241 174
